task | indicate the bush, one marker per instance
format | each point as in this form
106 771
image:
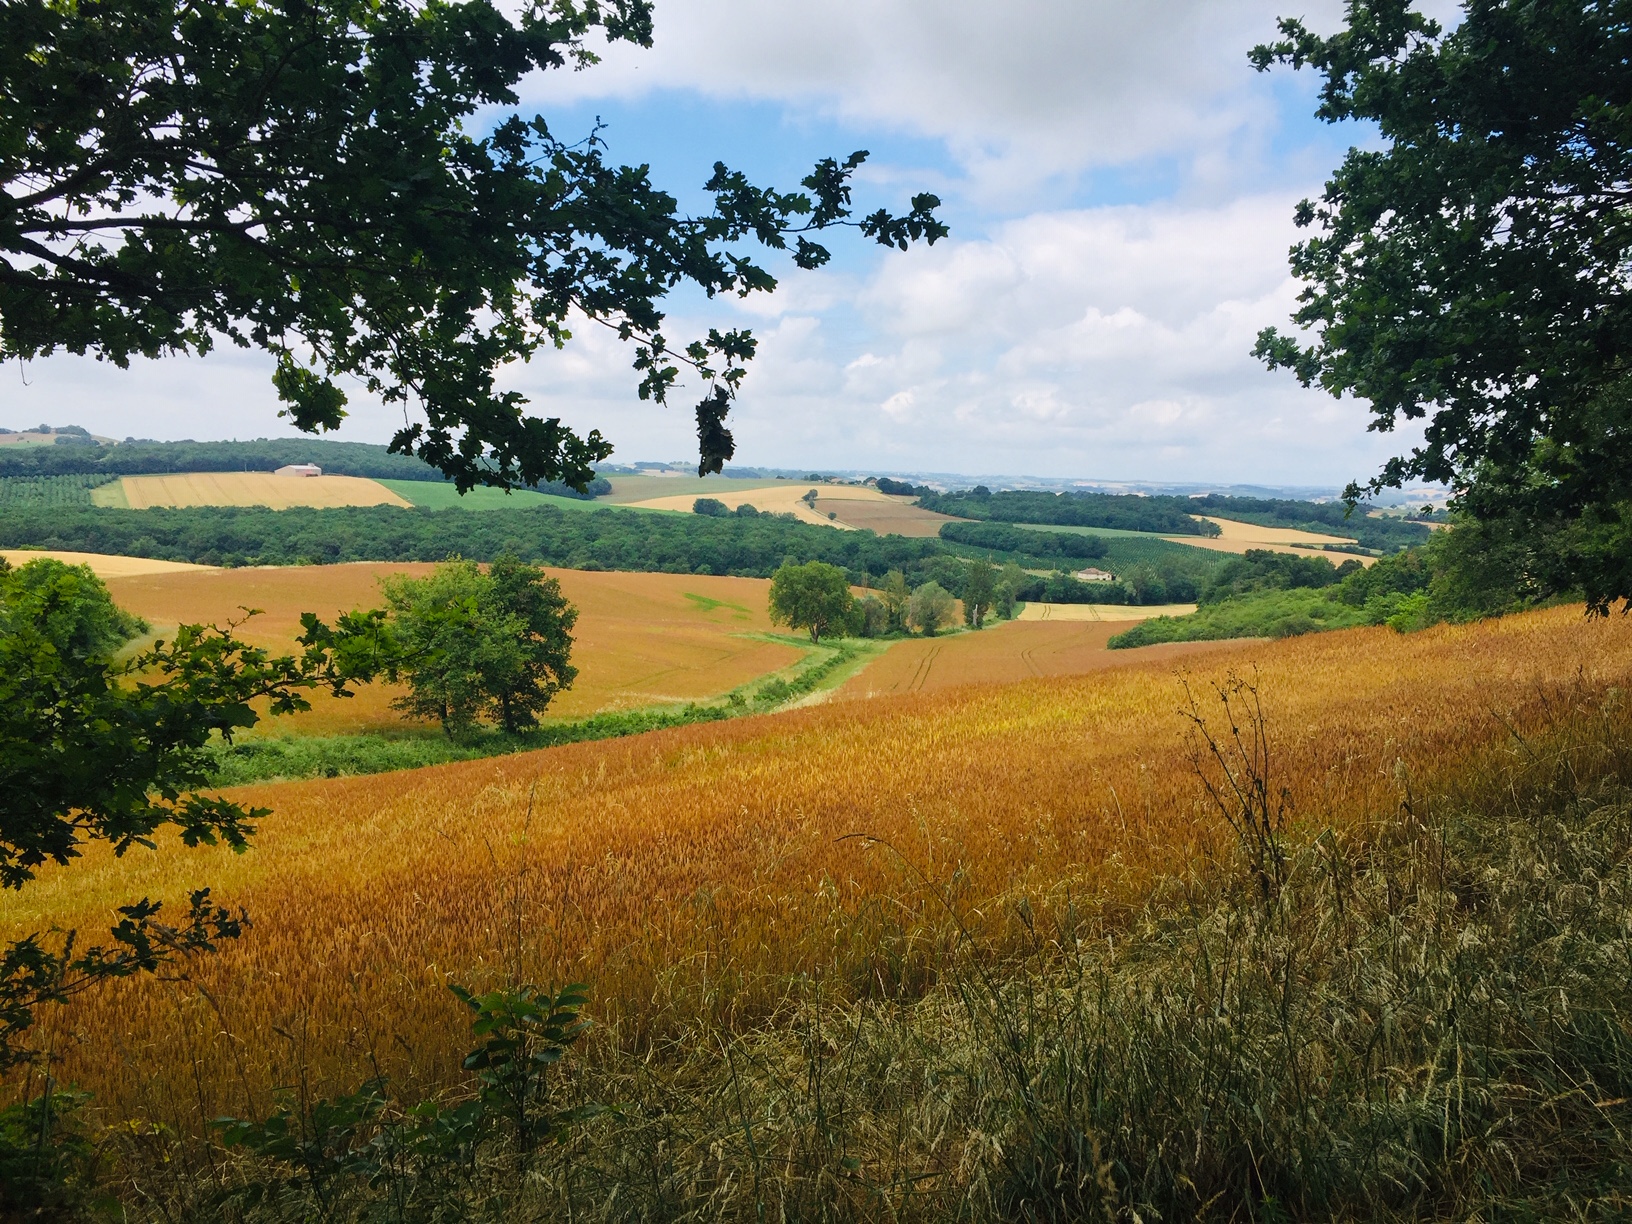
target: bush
710 506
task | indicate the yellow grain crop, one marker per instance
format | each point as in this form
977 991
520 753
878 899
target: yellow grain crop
1002 654
695 871
254 489
641 639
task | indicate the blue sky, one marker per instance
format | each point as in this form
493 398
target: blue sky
1119 184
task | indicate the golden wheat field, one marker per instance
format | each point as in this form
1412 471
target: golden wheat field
103 565
700 871
254 489
641 639
1004 653
1237 537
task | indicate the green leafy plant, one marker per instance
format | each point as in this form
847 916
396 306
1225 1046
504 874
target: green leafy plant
525 1034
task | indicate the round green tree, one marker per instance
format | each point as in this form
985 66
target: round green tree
814 596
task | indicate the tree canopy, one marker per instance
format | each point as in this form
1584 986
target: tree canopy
97 751
320 180
814 596
480 645
1472 271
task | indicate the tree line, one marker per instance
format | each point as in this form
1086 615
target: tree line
1116 511
143 457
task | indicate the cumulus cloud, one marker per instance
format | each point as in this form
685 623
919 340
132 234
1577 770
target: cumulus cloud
1016 91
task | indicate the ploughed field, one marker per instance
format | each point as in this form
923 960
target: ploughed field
641 639
695 872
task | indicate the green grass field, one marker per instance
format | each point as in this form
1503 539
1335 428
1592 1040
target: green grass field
437 495
641 488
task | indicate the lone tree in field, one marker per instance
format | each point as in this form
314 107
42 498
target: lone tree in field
322 181
97 751
1475 271
814 596
477 645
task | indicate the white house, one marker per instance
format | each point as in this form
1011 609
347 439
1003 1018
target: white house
299 469
1093 575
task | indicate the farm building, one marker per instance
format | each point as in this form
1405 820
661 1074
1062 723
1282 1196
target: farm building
1093 575
299 469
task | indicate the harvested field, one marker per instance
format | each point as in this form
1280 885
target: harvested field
884 514
254 489
1239 537
696 872
852 506
105 566
641 639
1002 654
1100 612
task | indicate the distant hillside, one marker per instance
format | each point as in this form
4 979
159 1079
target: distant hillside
49 435
143 458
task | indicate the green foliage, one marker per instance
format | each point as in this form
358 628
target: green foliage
48 491
337 1157
524 1034
47 1160
902 488
895 594
613 539
814 596
979 590
711 506
1001 538
930 608
93 751
1266 594
68 604
873 617
1268 613
345 186
1469 270
481 645
1167 515
1262 570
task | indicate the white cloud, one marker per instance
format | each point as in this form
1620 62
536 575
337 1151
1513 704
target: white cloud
1018 92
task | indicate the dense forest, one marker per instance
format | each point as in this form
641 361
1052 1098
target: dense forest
142 458
596 539
1175 515
1002 538
1118 512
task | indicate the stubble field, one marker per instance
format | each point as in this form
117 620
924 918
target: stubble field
704 872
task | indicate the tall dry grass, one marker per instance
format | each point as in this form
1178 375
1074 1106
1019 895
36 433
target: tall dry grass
701 879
